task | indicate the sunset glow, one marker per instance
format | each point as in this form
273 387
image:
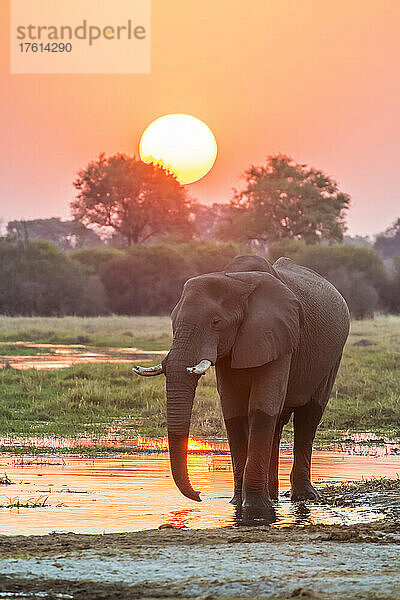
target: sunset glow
182 144
326 97
139 442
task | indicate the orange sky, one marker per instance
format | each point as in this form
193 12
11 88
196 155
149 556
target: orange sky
316 79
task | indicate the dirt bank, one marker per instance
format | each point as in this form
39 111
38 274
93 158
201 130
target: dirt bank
360 561
380 532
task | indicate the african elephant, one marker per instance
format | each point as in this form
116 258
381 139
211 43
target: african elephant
275 334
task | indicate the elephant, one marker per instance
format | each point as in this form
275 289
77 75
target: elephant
275 333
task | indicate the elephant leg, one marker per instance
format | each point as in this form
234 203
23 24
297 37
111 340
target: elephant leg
233 388
306 421
238 429
267 398
262 428
273 478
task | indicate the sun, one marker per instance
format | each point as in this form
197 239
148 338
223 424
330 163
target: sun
182 144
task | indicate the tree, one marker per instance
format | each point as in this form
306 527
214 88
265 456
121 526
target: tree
134 199
388 242
358 273
283 199
36 278
207 219
148 278
65 234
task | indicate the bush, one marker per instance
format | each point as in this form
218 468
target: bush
36 278
148 279
390 290
361 296
358 273
93 258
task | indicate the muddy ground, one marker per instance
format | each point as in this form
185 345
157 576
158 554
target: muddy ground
360 561
324 561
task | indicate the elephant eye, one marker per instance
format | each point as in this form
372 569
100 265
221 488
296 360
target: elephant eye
216 321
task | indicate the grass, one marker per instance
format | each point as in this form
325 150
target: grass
366 395
147 333
91 399
15 350
368 486
379 491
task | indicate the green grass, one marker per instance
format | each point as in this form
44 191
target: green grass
147 333
89 399
366 395
16 350
85 399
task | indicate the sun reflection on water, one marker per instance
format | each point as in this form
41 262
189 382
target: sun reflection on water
135 492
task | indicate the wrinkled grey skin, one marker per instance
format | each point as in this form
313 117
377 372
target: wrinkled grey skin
276 335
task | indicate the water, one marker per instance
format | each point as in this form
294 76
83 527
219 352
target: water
60 356
136 492
360 443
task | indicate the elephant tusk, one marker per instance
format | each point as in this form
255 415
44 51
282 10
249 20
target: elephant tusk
148 371
201 368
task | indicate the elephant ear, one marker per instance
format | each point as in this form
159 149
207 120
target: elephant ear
271 325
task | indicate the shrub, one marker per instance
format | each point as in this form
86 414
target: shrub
36 278
148 279
93 258
358 273
361 296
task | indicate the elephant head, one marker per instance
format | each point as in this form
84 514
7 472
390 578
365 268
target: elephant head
251 316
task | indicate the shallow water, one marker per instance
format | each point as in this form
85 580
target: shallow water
360 443
60 356
136 492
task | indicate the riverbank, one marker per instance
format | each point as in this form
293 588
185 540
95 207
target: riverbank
323 565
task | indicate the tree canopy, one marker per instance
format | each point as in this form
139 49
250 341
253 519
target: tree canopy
37 278
283 199
388 242
134 199
65 234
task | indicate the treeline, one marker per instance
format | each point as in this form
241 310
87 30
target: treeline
37 278
367 284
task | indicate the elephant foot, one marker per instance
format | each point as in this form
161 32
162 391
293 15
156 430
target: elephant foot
257 509
237 499
273 490
304 491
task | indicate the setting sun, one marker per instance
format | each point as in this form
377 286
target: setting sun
181 143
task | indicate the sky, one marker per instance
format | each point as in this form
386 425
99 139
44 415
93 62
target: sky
318 80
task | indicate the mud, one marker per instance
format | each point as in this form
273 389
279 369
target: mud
381 532
359 561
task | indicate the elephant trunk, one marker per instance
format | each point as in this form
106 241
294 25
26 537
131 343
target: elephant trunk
189 347
181 388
